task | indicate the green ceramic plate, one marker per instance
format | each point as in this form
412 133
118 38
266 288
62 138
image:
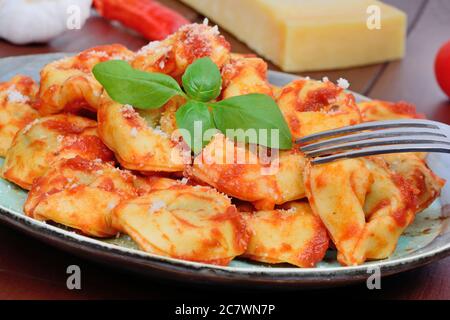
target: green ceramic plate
426 240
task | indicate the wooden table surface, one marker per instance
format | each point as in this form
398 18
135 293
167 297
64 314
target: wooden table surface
32 270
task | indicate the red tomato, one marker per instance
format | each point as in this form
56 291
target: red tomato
442 68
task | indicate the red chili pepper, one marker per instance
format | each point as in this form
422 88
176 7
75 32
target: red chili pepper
153 20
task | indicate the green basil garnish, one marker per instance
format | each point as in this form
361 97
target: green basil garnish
195 118
140 89
202 80
202 83
253 111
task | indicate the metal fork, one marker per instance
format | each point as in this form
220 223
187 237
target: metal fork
379 137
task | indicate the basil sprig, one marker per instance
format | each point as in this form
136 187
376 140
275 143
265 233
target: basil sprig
202 84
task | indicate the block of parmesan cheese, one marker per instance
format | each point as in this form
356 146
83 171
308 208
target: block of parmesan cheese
306 35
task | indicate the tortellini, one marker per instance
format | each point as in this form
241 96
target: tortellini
244 174
186 222
425 184
312 106
68 85
174 54
245 75
16 111
294 236
81 194
363 205
48 139
137 142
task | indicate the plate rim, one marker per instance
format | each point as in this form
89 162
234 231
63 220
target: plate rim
290 275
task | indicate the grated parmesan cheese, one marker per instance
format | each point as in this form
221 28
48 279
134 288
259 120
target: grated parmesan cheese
15 96
133 132
100 54
214 31
126 107
155 47
73 186
325 79
159 132
156 206
199 33
111 205
70 140
119 57
291 210
343 83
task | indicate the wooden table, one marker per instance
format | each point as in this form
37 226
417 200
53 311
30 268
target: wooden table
32 270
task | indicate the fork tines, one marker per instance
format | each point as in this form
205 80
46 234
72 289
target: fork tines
378 137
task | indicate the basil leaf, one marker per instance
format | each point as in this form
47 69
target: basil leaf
194 117
202 80
253 111
140 89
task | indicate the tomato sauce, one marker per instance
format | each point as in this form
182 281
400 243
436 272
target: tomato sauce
316 248
317 99
63 126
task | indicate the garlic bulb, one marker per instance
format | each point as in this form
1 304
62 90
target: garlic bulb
27 21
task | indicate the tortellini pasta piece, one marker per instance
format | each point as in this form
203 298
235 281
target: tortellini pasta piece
174 54
137 142
184 222
242 173
245 75
68 85
426 185
80 194
310 106
364 206
294 236
16 111
48 139
411 166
